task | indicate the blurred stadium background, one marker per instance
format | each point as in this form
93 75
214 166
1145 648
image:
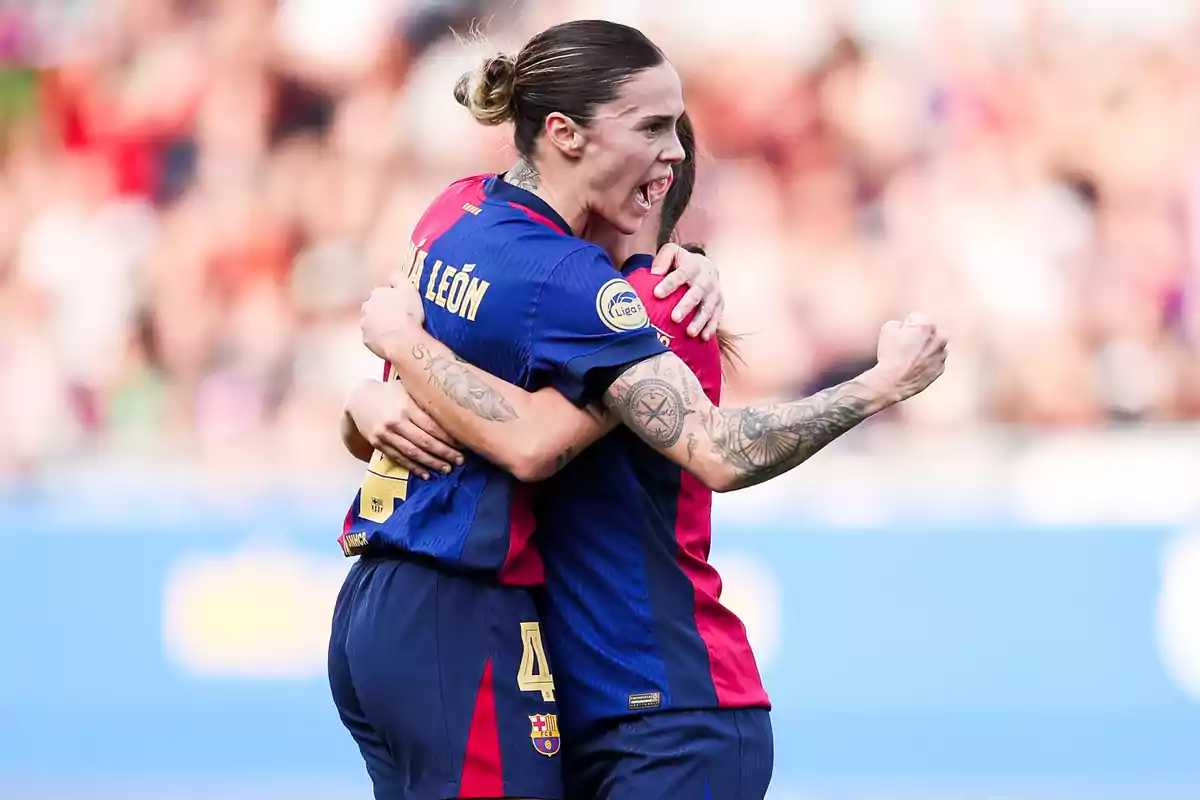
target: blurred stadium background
992 593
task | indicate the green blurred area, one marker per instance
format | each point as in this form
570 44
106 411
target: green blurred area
18 95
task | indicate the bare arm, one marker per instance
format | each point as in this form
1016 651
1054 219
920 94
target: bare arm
659 398
661 401
531 435
355 443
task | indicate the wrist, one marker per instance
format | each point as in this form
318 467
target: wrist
399 336
882 388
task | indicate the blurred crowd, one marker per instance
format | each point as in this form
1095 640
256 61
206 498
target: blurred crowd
196 195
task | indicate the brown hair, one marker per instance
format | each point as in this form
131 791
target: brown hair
675 204
572 68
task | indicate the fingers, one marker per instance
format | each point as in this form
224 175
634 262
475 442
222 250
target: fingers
406 442
412 432
427 424
684 270
919 320
664 262
389 447
690 301
710 329
702 317
672 283
434 454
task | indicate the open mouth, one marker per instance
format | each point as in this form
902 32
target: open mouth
651 192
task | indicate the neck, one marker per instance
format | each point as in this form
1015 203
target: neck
525 175
620 246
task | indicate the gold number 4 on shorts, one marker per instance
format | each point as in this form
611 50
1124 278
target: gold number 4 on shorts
534 674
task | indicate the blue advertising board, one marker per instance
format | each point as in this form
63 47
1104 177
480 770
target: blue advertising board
987 657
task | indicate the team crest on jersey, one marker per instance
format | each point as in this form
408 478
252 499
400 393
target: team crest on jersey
544 733
619 307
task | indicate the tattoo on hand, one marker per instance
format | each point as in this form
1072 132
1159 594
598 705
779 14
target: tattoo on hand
524 176
469 392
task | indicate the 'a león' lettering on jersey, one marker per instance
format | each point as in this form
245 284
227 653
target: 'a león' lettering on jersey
455 289
508 288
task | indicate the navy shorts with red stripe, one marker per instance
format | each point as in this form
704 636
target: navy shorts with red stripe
706 754
424 668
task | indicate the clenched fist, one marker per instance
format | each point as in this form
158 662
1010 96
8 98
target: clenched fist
912 355
388 312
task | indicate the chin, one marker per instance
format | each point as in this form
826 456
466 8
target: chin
627 224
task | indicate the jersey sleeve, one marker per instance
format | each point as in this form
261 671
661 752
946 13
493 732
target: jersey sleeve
589 326
703 358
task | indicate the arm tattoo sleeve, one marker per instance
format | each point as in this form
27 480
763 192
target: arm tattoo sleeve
456 382
662 401
760 442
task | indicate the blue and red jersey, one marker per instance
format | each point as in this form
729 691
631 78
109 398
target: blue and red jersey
508 289
631 609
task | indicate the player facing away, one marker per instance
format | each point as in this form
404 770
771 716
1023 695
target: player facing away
659 690
436 660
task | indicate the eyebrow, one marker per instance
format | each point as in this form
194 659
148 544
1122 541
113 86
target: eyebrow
665 119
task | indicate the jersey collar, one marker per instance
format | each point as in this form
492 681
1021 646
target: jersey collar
634 263
496 187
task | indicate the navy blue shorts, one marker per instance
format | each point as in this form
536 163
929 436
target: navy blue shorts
443 682
716 754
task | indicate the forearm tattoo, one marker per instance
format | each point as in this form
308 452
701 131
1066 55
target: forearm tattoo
655 398
453 377
760 442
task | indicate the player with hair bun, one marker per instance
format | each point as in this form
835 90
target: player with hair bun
664 713
589 503
436 659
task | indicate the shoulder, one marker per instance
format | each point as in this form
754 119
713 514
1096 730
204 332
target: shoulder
583 285
565 262
703 357
464 190
457 201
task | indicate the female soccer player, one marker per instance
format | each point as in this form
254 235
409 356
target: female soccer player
436 660
659 690
389 420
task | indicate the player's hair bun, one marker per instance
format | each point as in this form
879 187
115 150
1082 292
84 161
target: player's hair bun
488 93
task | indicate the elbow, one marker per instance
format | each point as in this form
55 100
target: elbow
531 463
722 483
532 470
718 476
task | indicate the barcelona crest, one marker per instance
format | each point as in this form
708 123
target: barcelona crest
544 733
